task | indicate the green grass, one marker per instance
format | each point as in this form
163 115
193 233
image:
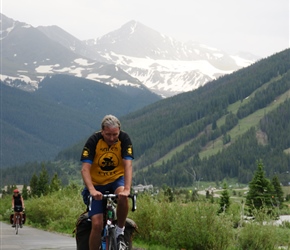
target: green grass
181 224
244 125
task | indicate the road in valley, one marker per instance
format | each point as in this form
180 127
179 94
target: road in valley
29 238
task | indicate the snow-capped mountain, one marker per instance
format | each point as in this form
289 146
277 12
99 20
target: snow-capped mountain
29 55
162 63
133 55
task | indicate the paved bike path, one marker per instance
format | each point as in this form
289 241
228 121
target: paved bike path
29 238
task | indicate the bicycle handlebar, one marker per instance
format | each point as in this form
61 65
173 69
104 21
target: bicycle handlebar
12 210
132 196
110 196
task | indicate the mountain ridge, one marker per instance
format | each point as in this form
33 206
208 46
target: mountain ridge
167 66
34 56
140 54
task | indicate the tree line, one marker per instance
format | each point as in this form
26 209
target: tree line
39 185
235 161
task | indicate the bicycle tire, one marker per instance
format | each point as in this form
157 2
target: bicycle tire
17 224
111 239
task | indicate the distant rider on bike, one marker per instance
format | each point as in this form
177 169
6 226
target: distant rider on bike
17 206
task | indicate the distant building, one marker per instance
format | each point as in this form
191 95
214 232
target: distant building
19 187
141 188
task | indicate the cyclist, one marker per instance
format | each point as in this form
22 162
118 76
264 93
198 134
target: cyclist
17 206
107 166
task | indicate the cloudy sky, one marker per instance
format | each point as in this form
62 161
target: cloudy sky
260 27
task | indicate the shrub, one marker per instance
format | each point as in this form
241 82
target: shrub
56 212
253 236
176 225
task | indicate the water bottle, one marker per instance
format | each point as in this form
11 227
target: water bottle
103 244
110 214
104 240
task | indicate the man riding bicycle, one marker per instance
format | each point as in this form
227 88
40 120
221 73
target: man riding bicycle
107 166
17 206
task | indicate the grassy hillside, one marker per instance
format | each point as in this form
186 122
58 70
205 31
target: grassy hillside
199 141
213 147
175 136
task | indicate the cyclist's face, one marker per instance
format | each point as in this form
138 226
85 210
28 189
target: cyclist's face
110 135
15 194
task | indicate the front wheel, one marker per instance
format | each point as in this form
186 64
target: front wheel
17 224
111 239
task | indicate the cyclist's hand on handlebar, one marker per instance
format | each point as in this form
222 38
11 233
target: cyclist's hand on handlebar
125 193
97 195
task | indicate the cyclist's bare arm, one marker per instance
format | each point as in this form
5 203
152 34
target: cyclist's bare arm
127 177
22 203
88 181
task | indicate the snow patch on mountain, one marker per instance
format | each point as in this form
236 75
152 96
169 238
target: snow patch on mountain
83 62
242 62
174 76
80 72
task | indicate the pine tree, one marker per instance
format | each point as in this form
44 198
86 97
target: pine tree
43 182
260 190
34 191
278 195
25 192
55 183
224 200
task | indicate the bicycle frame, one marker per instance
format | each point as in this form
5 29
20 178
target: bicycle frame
109 241
17 223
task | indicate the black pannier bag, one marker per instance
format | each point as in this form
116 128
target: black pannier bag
82 231
23 218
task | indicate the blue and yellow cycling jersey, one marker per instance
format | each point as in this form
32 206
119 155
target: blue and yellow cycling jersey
107 161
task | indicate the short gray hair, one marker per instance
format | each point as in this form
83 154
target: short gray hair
110 121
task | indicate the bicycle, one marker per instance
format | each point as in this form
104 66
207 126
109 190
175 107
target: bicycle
17 224
17 220
109 241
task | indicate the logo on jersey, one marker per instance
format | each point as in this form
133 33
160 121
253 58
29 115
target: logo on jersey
129 150
108 161
85 152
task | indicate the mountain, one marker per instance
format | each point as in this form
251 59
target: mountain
214 133
214 130
133 55
162 63
64 109
93 97
29 55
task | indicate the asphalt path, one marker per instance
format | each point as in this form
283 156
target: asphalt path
29 238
